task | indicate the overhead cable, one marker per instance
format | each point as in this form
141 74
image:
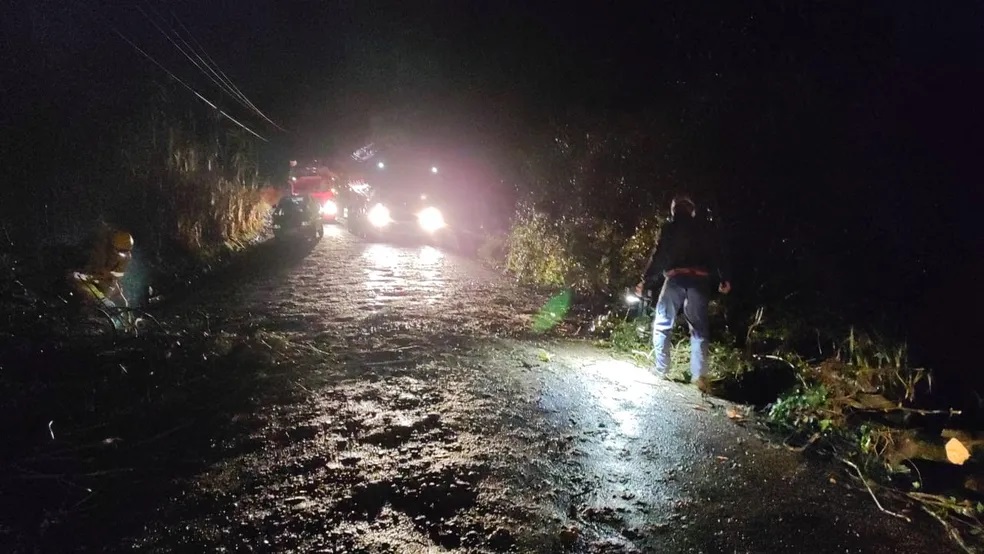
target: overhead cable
186 85
213 73
215 68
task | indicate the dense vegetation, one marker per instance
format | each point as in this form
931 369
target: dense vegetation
827 374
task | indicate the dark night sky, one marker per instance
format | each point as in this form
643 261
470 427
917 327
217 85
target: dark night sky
321 66
861 119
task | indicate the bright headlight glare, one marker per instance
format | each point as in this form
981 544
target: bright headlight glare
379 216
431 219
329 208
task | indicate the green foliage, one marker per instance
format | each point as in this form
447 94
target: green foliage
536 250
727 362
870 441
838 397
585 253
635 250
803 409
865 350
630 335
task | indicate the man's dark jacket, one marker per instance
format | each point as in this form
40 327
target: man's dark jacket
687 242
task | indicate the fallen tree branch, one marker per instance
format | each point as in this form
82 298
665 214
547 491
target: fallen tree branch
888 409
949 412
872 493
951 530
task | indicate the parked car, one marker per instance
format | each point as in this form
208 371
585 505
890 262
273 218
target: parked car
297 217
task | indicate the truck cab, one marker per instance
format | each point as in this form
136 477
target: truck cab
314 180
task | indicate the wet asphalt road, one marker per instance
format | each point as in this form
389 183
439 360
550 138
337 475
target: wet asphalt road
382 398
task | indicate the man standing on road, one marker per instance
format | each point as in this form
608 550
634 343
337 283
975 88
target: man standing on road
689 256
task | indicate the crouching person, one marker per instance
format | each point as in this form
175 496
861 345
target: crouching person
99 282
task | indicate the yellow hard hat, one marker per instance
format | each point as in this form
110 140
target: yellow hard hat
122 241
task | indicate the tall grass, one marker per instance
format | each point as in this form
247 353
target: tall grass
191 182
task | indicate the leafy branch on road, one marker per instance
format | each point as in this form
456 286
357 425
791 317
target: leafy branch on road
864 407
856 397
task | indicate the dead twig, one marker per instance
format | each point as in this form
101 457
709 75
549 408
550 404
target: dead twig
950 412
872 493
384 363
315 349
918 473
846 400
309 391
950 529
809 443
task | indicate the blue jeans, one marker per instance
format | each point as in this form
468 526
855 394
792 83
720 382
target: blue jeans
691 294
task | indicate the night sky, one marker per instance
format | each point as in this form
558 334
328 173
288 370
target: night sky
853 127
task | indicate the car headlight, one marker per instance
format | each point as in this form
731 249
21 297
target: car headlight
379 216
430 219
329 208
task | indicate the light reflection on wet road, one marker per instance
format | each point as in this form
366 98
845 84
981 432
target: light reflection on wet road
429 419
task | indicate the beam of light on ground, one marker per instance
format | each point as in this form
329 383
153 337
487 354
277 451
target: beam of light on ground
621 388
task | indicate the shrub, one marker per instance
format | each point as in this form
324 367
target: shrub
537 250
635 250
586 253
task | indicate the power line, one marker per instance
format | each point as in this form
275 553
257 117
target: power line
176 45
221 73
193 91
188 56
222 81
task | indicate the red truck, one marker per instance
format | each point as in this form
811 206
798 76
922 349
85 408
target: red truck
314 179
